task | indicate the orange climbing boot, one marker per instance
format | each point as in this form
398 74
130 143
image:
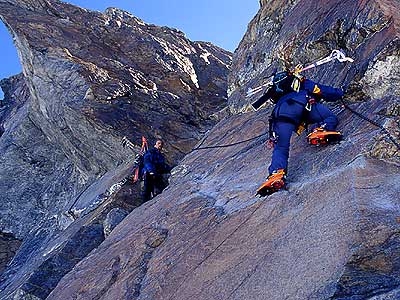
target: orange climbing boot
321 136
274 183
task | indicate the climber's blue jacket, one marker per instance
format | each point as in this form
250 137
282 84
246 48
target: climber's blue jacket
154 162
291 106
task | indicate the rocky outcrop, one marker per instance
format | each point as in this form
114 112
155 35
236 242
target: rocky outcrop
333 234
8 247
283 35
91 79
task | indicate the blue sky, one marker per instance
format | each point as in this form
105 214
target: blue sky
222 22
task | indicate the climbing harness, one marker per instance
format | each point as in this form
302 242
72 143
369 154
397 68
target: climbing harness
335 55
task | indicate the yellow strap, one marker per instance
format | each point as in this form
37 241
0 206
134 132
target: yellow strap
316 90
301 128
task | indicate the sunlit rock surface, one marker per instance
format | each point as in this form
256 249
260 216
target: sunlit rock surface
92 78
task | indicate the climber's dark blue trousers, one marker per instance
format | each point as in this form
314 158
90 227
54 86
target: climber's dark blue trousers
319 114
280 154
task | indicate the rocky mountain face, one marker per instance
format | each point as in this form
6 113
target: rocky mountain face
90 78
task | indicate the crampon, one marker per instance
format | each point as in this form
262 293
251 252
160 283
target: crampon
274 183
321 136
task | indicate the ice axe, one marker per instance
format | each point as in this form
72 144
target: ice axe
335 55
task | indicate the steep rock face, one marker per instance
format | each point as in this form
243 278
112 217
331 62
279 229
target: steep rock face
334 234
89 79
283 35
331 236
8 247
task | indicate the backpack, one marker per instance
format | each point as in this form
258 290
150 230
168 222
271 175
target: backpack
287 82
138 162
282 83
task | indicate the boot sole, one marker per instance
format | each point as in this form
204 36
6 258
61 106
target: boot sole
325 139
269 188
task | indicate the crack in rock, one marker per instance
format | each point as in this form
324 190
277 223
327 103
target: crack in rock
155 240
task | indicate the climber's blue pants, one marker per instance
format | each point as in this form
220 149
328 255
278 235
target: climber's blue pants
319 114
280 154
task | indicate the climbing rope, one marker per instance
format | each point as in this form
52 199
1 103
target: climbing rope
383 129
345 105
228 145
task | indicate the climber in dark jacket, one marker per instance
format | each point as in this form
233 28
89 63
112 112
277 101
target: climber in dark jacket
154 168
296 101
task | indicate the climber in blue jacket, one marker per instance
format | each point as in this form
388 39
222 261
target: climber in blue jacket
297 102
154 166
